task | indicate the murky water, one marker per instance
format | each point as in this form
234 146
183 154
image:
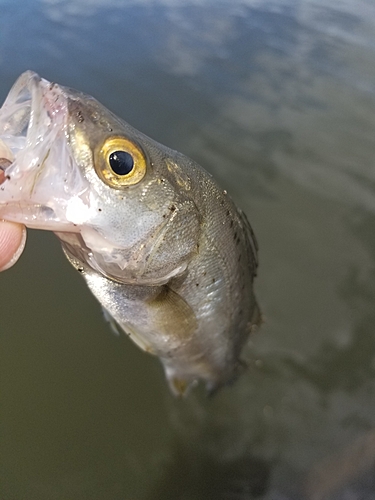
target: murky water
277 100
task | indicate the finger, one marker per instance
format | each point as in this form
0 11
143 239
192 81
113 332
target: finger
12 243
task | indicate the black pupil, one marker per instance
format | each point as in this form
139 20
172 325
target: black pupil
121 162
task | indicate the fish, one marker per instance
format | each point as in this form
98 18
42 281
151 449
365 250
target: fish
162 247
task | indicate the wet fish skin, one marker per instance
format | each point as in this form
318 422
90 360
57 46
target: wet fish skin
170 258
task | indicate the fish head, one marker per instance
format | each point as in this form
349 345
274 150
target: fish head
120 203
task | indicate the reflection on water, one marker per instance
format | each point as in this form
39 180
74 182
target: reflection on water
276 99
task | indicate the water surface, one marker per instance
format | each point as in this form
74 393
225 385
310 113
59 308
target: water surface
277 100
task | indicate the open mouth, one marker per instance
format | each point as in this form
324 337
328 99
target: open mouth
33 107
15 117
18 114
35 167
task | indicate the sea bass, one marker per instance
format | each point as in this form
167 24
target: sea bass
163 248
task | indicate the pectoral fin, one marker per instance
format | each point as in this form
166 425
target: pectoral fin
162 323
117 328
172 315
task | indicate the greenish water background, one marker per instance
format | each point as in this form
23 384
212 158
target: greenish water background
277 100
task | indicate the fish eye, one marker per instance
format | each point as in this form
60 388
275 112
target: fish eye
120 162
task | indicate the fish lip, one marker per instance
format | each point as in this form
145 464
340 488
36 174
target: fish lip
26 89
32 101
29 81
33 115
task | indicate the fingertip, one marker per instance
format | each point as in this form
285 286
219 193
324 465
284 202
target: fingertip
12 243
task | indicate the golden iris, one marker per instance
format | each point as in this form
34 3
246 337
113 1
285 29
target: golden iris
120 162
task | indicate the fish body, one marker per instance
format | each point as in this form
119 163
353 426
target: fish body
160 245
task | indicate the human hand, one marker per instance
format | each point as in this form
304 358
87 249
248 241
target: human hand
12 243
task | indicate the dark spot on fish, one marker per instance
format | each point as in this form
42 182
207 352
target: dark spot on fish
80 269
172 208
99 209
228 213
196 284
80 117
235 236
231 223
213 280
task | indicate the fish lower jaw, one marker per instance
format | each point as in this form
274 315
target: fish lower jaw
35 217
